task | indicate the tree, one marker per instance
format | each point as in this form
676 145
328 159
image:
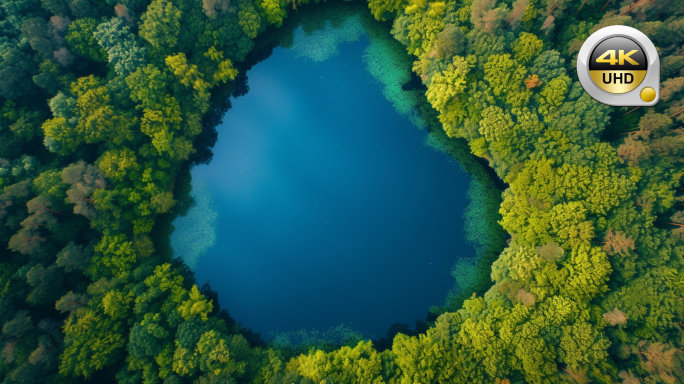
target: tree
185 362
63 56
661 360
29 239
195 306
582 346
446 85
382 10
63 106
83 179
360 364
58 7
187 74
224 70
35 31
533 81
570 225
94 118
485 17
42 207
27 126
185 359
148 86
74 257
214 357
273 11
19 325
249 19
117 164
46 284
160 25
615 317
435 356
553 94
517 12
587 273
123 51
521 267
645 300
506 79
81 40
617 243
114 256
15 72
551 252
50 77
213 7
117 304
13 194
122 11
450 42
671 87
526 47
44 354
91 342
163 126
70 302
59 136
148 337
496 125
676 220
162 202
49 184
164 287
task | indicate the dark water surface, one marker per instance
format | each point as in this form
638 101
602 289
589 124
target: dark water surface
329 207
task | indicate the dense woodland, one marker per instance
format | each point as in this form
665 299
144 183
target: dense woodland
104 104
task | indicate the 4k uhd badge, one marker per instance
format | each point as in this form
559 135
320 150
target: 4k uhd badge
619 65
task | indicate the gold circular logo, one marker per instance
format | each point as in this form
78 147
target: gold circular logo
618 64
648 94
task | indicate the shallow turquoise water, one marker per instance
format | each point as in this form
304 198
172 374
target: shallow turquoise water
322 205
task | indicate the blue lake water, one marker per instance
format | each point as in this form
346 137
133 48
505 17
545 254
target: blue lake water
323 205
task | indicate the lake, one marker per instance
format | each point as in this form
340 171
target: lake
323 204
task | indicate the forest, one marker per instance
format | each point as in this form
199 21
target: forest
105 104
